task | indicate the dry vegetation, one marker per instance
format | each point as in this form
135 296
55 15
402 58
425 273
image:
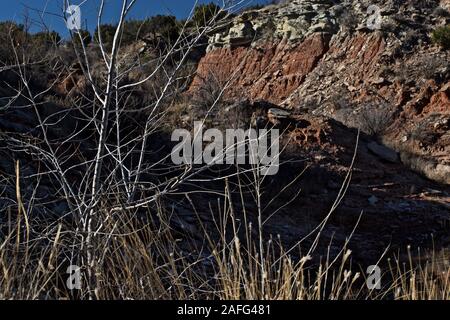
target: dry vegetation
143 261
375 119
140 260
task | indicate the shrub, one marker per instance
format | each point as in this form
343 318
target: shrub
209 92
17 31
11 32
348 19
203 14
441 36
441 12
424 133
106 32
375 119
339 100
428 66
46 38
165 26
21 47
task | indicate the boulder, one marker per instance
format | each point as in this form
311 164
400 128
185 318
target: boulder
279 113
383 152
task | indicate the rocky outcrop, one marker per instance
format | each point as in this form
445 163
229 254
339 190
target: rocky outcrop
266 72
294 21
321 57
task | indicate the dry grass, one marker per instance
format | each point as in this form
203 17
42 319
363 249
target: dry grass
147 264
144 260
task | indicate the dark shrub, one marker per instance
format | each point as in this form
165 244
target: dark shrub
46 39
441 36
441 12
203 14
106 32
11 34
166 27
375 119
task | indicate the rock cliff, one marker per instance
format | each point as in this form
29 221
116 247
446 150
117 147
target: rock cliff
327 58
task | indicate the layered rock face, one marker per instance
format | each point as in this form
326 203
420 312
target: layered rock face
328 58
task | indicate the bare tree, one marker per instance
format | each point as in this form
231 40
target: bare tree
112 176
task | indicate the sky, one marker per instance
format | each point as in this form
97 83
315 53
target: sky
16 10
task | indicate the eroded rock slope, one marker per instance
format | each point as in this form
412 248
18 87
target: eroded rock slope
321 57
